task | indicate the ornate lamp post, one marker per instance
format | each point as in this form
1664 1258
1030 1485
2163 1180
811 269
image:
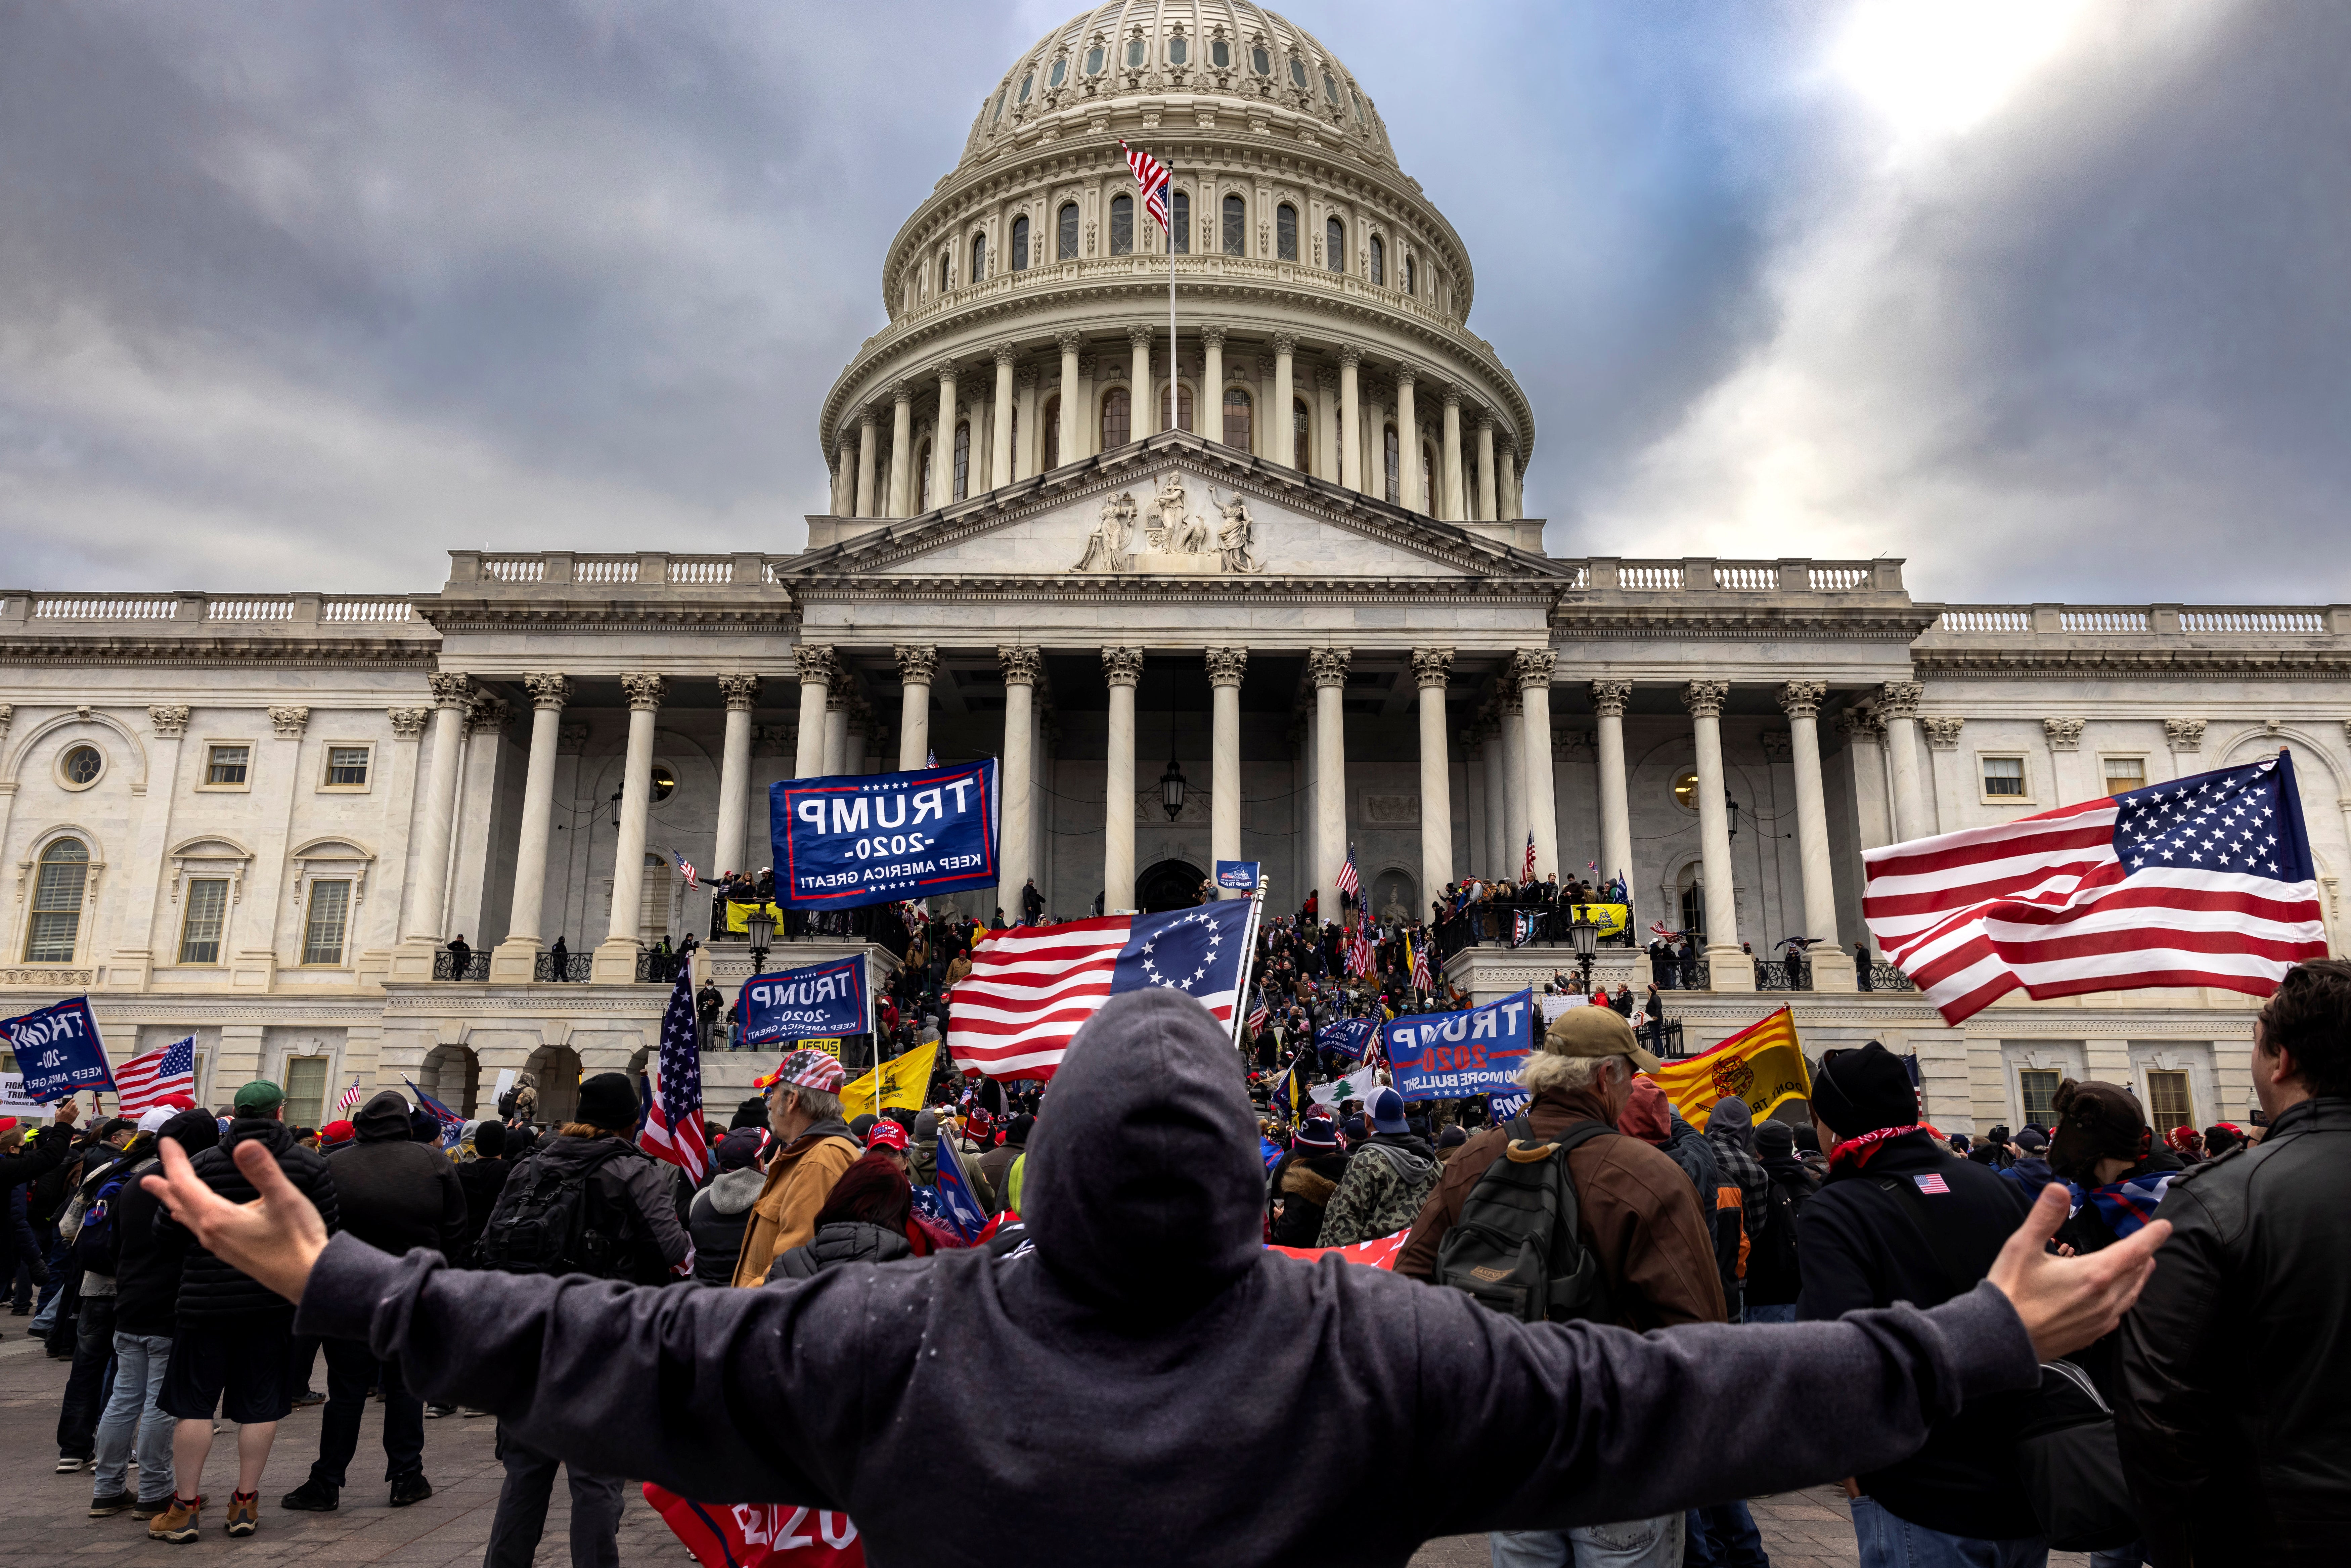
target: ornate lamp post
760 926
1584 931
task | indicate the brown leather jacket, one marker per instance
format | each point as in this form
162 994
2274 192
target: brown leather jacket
1638 1214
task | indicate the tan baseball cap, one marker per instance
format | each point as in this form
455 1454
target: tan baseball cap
1595 1031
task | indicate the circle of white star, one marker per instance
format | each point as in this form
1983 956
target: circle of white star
1150 968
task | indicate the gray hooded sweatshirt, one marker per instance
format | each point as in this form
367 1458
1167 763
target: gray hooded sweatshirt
1010 1387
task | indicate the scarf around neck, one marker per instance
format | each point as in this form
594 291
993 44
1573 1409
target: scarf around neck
2127 1203
1857 1152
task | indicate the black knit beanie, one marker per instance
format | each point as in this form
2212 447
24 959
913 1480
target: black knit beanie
606 1102
1859 1091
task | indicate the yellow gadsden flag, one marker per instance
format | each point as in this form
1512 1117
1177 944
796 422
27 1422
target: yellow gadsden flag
903 1078
1761 1064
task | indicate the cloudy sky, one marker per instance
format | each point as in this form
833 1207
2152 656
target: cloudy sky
2047 295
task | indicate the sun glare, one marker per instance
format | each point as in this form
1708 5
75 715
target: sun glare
1933 68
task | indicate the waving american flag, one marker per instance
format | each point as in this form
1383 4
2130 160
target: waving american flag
1152 175
142 1082
1347 881
672 1129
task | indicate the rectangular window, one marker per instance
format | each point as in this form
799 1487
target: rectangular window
322 929
2125 774
1179 231
305 1090
2037 1092
57 909
2168 1103
2003 777
224 766
200 932
346 767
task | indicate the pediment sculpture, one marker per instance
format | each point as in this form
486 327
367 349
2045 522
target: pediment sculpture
1179 543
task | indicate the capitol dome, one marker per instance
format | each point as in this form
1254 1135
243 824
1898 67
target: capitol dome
1322 300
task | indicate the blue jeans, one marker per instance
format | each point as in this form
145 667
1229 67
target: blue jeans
1783 1313
140 1361
1634 1543
1723 1536
1888 1541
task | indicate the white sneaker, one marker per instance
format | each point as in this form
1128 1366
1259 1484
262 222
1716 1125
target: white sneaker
67 1464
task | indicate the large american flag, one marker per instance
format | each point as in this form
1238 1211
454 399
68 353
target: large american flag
672 1129
1152 175
2207 881
1347 881
142 1082
1360 960
1422 980
1031 986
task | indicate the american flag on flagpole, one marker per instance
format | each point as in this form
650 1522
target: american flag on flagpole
1422 980
1347 881
1259 1014
1359 951
686 869
1527 870
2207 881
1031 986
350 1097
1152 175
140 1083
672 1129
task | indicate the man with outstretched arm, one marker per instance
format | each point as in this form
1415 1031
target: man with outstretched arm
1118 1390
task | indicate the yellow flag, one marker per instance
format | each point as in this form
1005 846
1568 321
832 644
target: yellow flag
904 1080
1762 1065
738 915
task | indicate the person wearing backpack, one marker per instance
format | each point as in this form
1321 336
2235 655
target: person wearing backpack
1774 1276
586 1201
87 1229
1389 1175
1640 1238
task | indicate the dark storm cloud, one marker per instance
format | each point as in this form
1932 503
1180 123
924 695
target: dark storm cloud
307 294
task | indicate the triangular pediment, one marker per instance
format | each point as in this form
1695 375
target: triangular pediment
1174 507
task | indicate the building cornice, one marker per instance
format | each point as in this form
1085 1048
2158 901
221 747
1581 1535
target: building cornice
208 653
1577 619
2012 663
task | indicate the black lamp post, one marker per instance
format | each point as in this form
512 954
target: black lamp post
1732 806
616 811
760 926
1584 931
1172 785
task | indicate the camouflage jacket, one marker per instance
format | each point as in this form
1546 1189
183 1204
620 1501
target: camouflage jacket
1386 1182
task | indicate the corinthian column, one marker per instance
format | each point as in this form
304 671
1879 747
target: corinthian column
1328 667
1452 484
1351 419
943 437
818 671
1608 700
999 443
616 956
1898 702
902 450
1016 848
1122 667
1210 419
421 932
917 667
1226 667
1731 968
1067 447
869 442
1517 821
1280 444
1432 668
515 961
1143 400
1408 494
1831 965
1533 670
742 694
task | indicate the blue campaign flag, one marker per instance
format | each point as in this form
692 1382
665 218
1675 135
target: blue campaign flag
58 1050
1347 1036
1501 1108
957 1207
815 1002
878 837
453 1125
1479 1050
1239 876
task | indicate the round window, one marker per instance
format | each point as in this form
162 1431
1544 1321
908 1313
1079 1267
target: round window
80 765
1686 792
664 782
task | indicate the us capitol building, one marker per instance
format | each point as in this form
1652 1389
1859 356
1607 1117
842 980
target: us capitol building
1301 610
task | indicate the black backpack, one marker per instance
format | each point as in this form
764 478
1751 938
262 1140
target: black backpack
1515 1248
98 1246
507 1101
552 1219
1781 1204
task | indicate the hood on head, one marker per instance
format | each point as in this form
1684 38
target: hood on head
1732 1117
384 1118
1144 1187
1646 1112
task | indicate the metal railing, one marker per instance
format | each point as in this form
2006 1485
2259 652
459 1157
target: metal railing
445 966
1773 975
577 967
1885 976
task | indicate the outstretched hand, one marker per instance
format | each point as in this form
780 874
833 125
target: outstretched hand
2067 1303
275 1238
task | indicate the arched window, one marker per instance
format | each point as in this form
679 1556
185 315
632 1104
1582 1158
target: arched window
1334 246
1060 72
1297 71
1116 419
1379 261
946 273
1285 233
1030 80
1329 91
1396 473
1183 408
1020 245
1235 226
1052 435
1261 61
1694 913
923 477
979 258
963 460
1094 61
1236 418
1411 277
999 110
1122 226
1068 235
1302 434
1181 217
56 902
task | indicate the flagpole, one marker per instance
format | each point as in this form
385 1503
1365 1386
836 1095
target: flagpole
1248 954
1172 399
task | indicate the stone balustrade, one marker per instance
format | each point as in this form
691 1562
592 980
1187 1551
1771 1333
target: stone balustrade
203 608
2009 621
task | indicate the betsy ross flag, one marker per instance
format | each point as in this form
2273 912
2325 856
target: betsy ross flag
672 1129
1347 881
142 1082
350 1097
1527 867
1152 175
2207 881
1032 985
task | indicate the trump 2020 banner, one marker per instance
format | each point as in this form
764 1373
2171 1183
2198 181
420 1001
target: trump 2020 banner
1479 1050
58 1050
812 1002
1238 876
878 837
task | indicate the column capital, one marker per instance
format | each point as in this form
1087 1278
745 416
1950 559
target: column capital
1022 665
836 701
1942 734
2064 733
742 692
2184 734
1067 339
291 722
1534 667
1610 697
571 739
941 371
1705 698
905 393
1138 336
1802 699
1405 376
1326 377
451 690
407 723
1121 666
547 691
486 713
1226 667
1861 724
171 719
1212 336
1452 395
1004 354
869 418
1328 666
1284 342
644 692
1432 667
1485 420
1900 699
1510 703
1025 377
816 663
1350 355
1473 736
918 666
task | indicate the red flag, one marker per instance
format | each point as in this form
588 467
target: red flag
759 1534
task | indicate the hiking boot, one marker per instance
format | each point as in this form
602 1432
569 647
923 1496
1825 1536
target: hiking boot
177 1523
143 1509
243 1512
110 1505
313 1496
411 1488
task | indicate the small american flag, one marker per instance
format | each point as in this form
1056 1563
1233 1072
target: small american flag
1259 1014
672 1129
1422 980
1527 869
1152 175
686 869
1931 1182
1359 951
1347 881
2207 881
351 1096
142 1082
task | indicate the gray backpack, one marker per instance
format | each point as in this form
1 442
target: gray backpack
1515 1248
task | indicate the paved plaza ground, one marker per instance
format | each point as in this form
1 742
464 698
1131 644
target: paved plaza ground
44 1519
